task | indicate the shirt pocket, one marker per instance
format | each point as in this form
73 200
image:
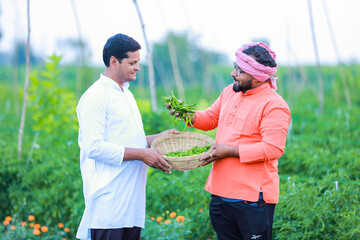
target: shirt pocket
244 126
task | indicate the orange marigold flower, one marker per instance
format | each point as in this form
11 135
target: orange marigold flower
60 225
159 219
8 218
12 227
172 215
180 218
31 224
23 223
167 221
44 229
36 232
67 229
37 226
31 218
152 218
200 210
5 223
63 239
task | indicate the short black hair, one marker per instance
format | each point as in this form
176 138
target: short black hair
261 55
118 46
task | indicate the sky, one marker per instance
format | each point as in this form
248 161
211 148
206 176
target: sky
218 25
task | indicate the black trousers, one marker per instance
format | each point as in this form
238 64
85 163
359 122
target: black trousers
116 234
241 220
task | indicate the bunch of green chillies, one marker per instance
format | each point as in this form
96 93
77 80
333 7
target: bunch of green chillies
192 151
182 110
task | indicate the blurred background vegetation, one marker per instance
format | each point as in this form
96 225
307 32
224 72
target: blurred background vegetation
319 171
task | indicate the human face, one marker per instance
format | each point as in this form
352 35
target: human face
242 80
128 67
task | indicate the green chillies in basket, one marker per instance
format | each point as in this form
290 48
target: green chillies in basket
192 151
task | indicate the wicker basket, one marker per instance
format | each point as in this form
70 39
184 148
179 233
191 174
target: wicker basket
182 142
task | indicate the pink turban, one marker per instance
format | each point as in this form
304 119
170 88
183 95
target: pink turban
255 69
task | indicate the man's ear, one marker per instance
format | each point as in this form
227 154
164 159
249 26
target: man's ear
112 61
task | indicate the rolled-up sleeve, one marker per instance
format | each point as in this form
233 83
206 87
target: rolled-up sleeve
208 119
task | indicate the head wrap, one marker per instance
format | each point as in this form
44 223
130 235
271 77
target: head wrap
255 69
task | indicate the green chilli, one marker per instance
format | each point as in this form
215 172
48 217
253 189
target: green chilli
185 111
192 151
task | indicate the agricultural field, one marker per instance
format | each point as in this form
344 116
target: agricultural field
319 172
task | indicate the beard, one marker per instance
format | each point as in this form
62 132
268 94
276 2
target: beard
237 87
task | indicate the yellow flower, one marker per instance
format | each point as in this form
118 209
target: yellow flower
152 218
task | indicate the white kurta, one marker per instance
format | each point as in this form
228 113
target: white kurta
114 190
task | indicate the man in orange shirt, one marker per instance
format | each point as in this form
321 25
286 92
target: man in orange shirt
252 123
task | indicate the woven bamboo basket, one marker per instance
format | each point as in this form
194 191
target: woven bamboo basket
181 142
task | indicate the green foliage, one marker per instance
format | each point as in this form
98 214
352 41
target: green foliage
318 209
166 228
51 107
322 144
180 191
22 231
46 180
322 152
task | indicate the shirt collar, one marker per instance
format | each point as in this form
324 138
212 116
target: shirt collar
112 83
257 90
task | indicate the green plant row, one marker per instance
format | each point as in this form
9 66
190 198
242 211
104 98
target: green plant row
46 181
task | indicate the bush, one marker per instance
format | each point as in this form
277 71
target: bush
318 209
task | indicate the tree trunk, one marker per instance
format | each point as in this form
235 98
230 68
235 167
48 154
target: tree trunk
27 73
342 71
150 62
80 73
320 79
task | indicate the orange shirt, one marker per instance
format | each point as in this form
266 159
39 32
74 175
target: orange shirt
257 122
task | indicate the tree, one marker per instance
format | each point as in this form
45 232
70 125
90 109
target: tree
194 63
19 55
0 26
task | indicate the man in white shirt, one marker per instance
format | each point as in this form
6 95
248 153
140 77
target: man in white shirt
114 150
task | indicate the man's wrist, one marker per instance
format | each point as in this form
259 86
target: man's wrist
234 151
